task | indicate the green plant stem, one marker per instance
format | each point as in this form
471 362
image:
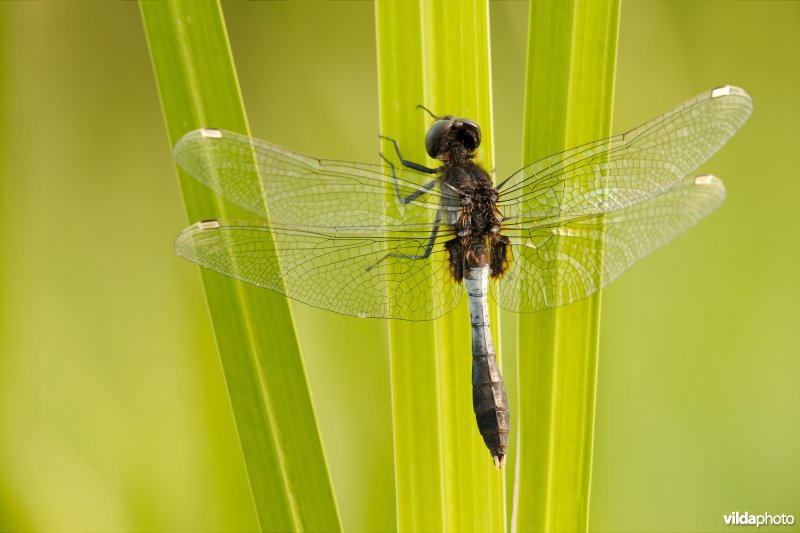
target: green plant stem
437 54
254 328
569 90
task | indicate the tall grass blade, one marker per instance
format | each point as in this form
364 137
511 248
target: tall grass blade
437 54
569 90
254 328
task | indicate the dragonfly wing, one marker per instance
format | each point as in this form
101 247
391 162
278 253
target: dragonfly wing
346 271
623 170
302 190
559 260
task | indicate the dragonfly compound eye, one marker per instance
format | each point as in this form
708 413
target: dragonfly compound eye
465 130
433 139
470 133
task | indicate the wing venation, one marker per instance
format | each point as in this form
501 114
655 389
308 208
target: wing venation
559 262
626 169
348 272
301 190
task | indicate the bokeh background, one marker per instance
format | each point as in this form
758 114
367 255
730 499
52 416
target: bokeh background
113 410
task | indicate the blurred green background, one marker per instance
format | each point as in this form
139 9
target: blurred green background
113 410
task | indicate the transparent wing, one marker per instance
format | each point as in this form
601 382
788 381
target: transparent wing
343 271
623 170
563 259
346 235
302 190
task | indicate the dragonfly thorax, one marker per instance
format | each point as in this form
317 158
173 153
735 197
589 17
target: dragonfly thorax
477 242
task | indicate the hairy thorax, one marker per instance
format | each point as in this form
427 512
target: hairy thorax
477 240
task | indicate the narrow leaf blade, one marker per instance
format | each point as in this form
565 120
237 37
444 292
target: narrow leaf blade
437 54
254 328
569 90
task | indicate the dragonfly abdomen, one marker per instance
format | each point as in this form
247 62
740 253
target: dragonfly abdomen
489 400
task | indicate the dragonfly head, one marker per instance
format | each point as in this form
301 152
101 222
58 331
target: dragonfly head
448 132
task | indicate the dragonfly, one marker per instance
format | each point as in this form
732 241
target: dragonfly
406 241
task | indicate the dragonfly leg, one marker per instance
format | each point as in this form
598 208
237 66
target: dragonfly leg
414 195
428 247
406 163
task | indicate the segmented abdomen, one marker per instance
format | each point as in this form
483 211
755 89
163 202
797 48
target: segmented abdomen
489 399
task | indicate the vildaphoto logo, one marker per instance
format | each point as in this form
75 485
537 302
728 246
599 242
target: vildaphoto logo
765 519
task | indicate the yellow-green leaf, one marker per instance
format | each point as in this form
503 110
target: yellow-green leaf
254 328
569 90
437 54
